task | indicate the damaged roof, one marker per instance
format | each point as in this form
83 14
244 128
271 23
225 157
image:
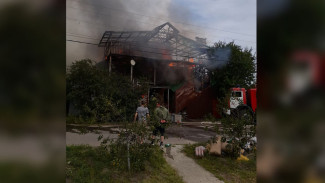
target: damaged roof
163 42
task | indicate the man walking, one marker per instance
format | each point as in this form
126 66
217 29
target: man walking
161 116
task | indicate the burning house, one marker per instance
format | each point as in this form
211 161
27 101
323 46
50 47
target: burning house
171 62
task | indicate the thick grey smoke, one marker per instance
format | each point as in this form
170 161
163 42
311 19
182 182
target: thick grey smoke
87 21
219 58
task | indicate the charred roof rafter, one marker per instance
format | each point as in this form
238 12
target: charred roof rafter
162 42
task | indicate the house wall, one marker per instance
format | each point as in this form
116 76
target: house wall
201 105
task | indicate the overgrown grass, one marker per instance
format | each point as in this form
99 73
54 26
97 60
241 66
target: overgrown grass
15 172
89 164
225 168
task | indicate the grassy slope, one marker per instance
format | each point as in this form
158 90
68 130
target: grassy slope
87 164
226 169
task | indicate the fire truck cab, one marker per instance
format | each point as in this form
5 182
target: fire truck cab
242 101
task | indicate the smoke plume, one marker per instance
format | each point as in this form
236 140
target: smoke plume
87 21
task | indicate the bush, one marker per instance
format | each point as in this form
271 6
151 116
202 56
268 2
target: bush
139 154
99 97
237 129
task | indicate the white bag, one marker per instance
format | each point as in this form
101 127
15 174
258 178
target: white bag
199 151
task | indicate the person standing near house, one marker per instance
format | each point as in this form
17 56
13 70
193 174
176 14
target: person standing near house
142 113
161 117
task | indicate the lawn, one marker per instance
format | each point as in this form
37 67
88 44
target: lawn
226 169
94 164
15 172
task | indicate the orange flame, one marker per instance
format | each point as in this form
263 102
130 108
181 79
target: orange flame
172 64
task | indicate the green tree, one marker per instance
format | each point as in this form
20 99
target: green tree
239 70
98 97
85 87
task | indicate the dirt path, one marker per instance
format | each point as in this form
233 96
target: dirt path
188 168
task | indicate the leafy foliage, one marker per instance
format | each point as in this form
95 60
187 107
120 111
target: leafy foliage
237 128
131 142
152 103
100 97
239 70
139 153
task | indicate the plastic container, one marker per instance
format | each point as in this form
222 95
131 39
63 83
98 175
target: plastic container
168 148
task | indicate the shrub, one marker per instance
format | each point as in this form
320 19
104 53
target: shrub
237 129
139 154
99 97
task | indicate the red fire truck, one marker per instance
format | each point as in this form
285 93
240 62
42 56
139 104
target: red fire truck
242 102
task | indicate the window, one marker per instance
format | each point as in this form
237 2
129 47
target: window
236 94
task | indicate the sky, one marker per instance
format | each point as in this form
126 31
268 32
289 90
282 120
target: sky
216 20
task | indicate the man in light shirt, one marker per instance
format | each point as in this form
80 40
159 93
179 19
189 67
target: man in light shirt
142 113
